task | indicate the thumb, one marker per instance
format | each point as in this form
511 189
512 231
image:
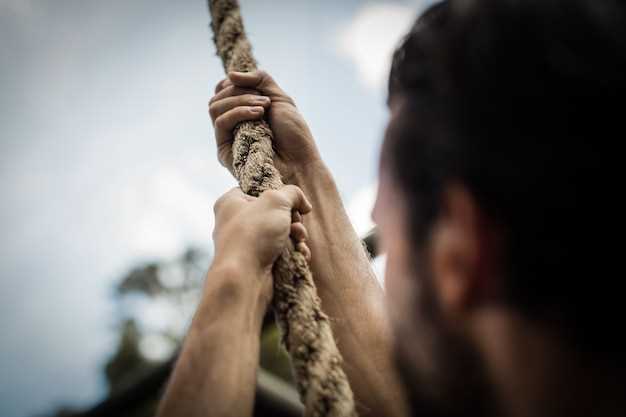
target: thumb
290 197
297 199
256 80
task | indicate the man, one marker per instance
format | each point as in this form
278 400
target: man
494 210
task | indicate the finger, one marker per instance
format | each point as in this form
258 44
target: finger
258 80
303 248
298 232
226 198
296 217
225 124
233 198
232 90
219 107
290 197
252 79
249 197
222 84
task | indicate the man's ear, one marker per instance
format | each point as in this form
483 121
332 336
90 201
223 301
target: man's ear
461 252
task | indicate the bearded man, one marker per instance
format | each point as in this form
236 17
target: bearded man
495 208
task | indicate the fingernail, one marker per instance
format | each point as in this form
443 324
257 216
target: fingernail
256 109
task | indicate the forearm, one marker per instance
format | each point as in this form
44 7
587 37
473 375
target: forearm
351 296
215 374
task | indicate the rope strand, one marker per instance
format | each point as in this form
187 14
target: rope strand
307 335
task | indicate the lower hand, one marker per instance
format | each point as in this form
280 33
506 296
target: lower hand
253 231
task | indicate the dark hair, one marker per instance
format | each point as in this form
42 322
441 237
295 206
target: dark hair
523 102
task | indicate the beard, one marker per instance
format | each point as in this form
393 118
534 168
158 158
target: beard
443 374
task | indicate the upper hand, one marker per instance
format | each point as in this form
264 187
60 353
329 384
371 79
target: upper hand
253 231
252 96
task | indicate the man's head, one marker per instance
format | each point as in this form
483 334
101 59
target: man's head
498 188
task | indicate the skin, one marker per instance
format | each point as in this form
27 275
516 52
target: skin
346 284
516 367
446 335
218 379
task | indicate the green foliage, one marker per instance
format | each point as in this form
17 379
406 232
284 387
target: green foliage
175 286
274 357
127 360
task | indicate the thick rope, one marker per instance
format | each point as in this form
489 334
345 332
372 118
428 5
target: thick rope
307 335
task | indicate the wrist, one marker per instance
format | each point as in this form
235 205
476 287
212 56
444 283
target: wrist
238 259
236 290
246 276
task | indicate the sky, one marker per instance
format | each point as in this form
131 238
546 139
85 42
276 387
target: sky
107 156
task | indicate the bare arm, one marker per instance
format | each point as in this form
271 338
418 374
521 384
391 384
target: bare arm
216 372
347 287
215 375
351 296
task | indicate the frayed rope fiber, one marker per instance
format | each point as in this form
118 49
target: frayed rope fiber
307 335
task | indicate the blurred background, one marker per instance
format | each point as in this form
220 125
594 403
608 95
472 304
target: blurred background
108 173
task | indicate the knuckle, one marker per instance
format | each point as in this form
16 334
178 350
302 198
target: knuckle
220 122
273 196
212 110
241 112
235 191
249 92
249 98
237 92
229 197
223 93
219 85
294 189
291 101
218 205
214 98
264 78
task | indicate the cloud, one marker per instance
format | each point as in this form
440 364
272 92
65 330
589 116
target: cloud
359 210
17 7
165 213
379 265
360 207
105 164
370 37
